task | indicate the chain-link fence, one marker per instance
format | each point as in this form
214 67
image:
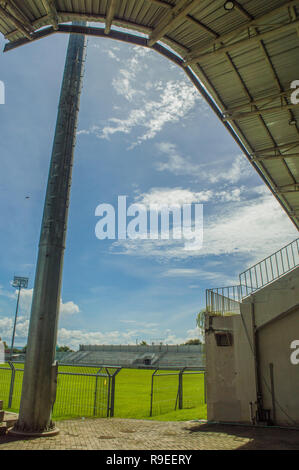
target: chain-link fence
83 391
89 390
6 380
173 390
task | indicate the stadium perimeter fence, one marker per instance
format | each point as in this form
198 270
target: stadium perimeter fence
89 390
176 390
82 391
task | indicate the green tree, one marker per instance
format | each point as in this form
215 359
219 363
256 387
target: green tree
143 343
64 349
192 342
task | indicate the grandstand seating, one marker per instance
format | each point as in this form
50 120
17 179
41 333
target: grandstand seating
137 357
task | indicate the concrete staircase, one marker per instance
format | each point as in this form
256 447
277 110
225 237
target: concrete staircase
7 419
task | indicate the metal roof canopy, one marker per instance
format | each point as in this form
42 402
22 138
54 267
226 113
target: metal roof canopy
246 58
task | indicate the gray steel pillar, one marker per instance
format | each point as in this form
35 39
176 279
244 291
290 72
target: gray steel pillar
39 389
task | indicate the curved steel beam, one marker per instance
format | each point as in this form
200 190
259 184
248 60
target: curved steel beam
143 41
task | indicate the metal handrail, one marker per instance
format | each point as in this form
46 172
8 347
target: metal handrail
271 268
222 300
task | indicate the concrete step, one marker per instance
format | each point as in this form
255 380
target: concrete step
8 420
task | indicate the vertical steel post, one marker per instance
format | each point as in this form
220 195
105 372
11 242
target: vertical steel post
37 392
109 394
180 390
12 383
95 403
152 392
112 395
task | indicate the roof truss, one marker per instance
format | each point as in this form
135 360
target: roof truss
200 32
50 7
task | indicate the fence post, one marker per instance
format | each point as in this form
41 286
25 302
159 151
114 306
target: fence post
109 393
112 396
181 389
152 392
113 392
95 396
12 382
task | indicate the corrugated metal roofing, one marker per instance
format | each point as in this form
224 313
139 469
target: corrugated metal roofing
246 58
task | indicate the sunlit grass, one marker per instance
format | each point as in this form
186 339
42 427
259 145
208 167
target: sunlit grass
76 394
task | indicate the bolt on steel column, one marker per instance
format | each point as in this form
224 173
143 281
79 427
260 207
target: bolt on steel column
38 393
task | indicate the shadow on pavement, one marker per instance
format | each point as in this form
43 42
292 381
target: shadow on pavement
260 438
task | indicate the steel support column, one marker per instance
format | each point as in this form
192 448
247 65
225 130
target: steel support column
38 393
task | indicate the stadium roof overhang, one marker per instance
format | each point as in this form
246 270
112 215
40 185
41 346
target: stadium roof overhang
244 52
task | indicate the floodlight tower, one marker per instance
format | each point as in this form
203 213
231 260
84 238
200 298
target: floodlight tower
39 383
20 283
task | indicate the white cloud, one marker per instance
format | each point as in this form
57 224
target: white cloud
240 168
256 228
6 293
253 228
150 105
74 337
67 308
92 130
171 338
112 55
6 327
25 300
176 163
198 274
162 197
124 82
175 99
230 196
181 272
229 170
125 126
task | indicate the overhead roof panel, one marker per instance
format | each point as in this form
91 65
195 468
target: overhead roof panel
246 58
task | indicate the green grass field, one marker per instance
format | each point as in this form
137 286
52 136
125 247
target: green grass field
77 396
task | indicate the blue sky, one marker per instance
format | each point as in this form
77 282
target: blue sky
144 132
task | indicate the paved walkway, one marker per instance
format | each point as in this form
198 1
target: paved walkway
129 434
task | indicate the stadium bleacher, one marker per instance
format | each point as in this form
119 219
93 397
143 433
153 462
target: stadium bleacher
155 356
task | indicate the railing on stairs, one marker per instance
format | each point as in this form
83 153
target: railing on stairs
271 268
226 300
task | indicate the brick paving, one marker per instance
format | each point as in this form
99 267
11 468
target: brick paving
130 434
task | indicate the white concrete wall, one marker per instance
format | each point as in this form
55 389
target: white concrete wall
244 363
274 340
230 371
222 401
